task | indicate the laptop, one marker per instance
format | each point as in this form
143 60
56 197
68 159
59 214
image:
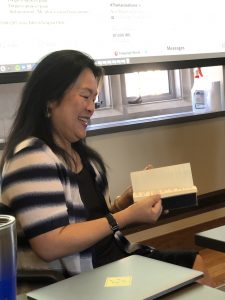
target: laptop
131 278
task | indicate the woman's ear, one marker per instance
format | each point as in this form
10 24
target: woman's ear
50 106
49 109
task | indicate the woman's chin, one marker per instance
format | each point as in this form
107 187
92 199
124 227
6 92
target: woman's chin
80 136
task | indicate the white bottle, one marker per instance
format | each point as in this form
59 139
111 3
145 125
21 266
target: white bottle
200 93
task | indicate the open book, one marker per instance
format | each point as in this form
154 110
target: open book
173 183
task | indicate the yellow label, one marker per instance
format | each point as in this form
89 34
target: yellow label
118 281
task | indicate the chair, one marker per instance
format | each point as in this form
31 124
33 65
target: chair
34 276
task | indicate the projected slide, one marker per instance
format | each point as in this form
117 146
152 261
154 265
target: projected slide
112 32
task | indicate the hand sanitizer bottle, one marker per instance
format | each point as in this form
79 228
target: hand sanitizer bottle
200 93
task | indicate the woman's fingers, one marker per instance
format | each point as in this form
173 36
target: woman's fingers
148 167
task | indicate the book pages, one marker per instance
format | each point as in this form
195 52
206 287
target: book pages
167 181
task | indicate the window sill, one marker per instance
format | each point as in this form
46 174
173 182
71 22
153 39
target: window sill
120 126
147 122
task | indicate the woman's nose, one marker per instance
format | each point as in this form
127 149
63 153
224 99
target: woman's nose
91 106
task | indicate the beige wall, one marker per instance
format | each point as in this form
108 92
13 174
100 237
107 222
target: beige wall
202 143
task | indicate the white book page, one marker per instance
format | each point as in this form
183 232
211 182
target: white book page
167 181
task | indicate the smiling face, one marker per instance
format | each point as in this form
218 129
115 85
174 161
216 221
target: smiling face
71 116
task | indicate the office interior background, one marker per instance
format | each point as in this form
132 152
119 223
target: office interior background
147 117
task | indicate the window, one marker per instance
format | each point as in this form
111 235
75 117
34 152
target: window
135 97
146 86
144 97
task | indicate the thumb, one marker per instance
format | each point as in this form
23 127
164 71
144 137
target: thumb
156 199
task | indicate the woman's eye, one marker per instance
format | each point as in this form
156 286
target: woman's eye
86 97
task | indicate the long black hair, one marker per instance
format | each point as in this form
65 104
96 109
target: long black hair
49 81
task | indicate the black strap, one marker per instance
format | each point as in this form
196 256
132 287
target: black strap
122 241
112 222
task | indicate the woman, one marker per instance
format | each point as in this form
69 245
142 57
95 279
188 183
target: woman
56 184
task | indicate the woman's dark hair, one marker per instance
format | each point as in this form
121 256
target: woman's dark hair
48 82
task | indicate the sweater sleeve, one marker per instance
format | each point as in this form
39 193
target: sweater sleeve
32 186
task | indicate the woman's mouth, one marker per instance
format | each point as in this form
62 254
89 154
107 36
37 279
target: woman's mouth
84 120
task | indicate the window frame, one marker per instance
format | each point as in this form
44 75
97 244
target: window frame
119 112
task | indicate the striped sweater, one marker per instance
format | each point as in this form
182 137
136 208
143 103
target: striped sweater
44 195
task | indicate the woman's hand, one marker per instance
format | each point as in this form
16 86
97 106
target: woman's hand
148 167
123 201
126 198
146 210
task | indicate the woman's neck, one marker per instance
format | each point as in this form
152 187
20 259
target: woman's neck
74 157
